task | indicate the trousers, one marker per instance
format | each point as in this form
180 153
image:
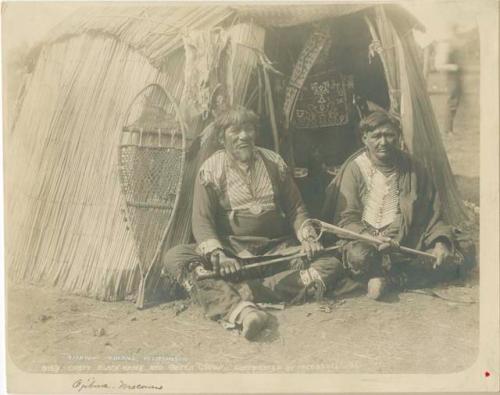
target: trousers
219 297
363 262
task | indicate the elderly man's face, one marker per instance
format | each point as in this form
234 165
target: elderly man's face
239 141
382 142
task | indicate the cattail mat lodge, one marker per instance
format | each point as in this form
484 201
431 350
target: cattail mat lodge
116 117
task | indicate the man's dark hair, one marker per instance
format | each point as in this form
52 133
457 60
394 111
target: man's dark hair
376 119
235 116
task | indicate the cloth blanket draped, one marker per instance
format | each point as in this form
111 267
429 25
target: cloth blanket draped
421 216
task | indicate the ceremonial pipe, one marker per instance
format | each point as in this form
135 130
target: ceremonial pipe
208 275
324 226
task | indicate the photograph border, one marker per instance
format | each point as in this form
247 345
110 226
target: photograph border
471 379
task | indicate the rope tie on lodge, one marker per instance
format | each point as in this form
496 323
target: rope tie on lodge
375 48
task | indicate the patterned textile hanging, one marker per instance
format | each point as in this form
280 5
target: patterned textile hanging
324 101
313 47
151 165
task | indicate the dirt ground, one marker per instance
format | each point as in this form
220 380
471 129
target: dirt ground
49 331
407 333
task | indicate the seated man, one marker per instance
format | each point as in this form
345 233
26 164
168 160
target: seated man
384 192
246 205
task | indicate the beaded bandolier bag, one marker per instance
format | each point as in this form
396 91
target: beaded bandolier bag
312 49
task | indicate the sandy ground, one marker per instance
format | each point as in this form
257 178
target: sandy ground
49 331
407 333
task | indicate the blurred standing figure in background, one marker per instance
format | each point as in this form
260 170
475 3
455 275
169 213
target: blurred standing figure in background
446 61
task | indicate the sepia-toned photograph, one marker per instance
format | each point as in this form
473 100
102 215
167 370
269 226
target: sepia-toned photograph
250 189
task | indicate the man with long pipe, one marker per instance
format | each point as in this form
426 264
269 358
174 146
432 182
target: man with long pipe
246 207
386 195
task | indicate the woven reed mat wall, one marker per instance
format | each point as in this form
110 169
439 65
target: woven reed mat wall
63 201
154 29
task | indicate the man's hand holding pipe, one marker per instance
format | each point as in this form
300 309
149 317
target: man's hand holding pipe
387 244
441 252
310 244
223 265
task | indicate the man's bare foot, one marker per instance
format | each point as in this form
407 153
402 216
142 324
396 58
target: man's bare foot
376 287
253 322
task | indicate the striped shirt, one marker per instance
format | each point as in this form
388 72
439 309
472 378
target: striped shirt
245 187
